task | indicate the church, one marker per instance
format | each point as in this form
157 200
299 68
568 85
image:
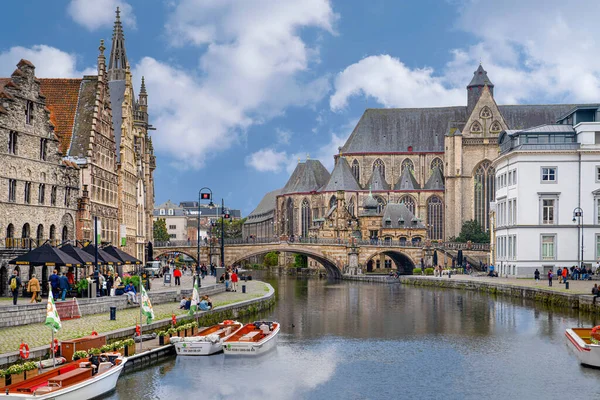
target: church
404 174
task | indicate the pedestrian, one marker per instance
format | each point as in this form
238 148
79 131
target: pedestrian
536 275
131 293
63 285
177 275
595 292
227 280
110 281
559 274
102 284
71 276
565 274
550 275
14 283
234 281
33 287
54 283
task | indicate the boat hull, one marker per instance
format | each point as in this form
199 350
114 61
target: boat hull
251 348
587 354
198 348
89 389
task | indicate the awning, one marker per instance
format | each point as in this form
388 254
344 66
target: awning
46 255
121 255
79 254
103 257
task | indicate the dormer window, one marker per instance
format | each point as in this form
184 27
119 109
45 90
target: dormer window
401 221
162 211
170 211
29 112
414 221
388 222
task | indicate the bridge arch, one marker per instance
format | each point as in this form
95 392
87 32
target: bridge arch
333 270
403 262
161 252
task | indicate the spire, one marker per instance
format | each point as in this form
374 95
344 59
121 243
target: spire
475 87
143 100
480 78
101 59
118 56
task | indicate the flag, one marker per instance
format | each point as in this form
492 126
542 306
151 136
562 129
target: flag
52 318
195 299
146 306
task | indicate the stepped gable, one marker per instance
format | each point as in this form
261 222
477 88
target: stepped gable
399 216
265 208
377 181
435 181
309 176
62 98
341 178
407 181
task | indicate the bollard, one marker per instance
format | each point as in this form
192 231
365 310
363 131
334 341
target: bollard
566 285
113 313
243 288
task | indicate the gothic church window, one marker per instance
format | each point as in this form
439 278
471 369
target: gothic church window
351 206
289 217
495 127
306 220
407 163
409 202
356 170
332 201
485 113
380 165
380 204
435 217
476 127
484 191
437 163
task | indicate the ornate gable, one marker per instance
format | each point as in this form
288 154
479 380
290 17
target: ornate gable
485 119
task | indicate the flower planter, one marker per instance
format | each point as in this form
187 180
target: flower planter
31 373
2 382
181 333
164 340
16 378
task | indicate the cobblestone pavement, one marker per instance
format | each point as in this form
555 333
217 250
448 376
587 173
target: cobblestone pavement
575 287
38 334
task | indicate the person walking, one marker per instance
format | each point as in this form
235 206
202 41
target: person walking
559 274
14 283
550 275
595 292
33 287
565 274
63 285
227 280
234 281
109 284
54 282
536 275
177 275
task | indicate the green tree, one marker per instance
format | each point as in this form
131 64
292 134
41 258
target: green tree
471 230
300 261
271 259
160 230
233 229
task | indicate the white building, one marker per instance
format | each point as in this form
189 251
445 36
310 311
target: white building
175 218
543 175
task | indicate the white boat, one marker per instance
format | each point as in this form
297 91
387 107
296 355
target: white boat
253 339
208 341
73 381
581 342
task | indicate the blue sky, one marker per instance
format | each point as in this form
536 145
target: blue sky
240 89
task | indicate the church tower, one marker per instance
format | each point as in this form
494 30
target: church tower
475 88
117 63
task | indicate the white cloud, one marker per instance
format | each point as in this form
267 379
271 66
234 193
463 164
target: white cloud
254 67
534 51
283 136
267 160
49 62
94 14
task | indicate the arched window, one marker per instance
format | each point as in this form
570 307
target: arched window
10 231
356 170
332 201
437 163
289 215
484 193
306 220
52 235
495 127
26 232
407 163
476 127
380 204
485 113
40 234
65 234
435 218
380 165
351 207
409 202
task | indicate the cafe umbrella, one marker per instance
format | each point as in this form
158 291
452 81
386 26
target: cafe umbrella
85 258
121 255
46 255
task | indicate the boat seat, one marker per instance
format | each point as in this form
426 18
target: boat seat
43 390
66 379
104 366
249 337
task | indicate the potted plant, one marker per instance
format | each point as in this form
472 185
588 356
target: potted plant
107 348
129 346
31 369
171 332
180 331
163 338
81 287
2 378
79 354
16 373
94 353
194 326
117 347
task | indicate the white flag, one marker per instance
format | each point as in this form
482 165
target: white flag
195 299
146 306
52 318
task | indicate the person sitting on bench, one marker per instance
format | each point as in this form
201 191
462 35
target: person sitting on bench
131 293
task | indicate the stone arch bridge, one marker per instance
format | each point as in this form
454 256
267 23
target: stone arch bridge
336 255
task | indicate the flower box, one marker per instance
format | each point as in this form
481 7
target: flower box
31 373
164 340
16 378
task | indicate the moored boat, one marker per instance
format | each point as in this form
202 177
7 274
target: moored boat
208 341
253 339
80 379
584 343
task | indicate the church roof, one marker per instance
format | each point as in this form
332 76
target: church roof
62 97
407 181
308 176
84 118
264 209
399 216
377 181
480 78
370 202
341 177
435 181
117 95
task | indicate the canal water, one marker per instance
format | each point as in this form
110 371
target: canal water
350 340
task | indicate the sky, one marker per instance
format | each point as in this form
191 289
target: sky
240 90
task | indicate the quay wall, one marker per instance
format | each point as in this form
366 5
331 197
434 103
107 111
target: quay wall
370 278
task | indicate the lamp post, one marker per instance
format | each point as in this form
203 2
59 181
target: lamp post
201 196
224 214
578 216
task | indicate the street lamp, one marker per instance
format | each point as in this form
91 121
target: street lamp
578 213
201 196
224 214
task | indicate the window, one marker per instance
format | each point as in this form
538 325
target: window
380 204
548 174
43 148
12 142
29 112
510 212
597 200
173 236
548 211
356 170
409 202
67 196
515 177
12 190
42 193
306 219
380 165
514 217
597 247
170 211
548 247
162 211
27 193
437 163
172 226
435 217
53 196
597 174
350 208
484 193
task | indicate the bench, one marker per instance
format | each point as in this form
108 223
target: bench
71 377
249 337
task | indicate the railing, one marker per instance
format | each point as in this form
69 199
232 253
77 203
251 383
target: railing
27 243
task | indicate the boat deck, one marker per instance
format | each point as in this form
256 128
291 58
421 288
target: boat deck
584 333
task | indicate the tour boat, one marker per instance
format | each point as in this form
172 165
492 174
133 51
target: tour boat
581 342
253 339
208 341
76 380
